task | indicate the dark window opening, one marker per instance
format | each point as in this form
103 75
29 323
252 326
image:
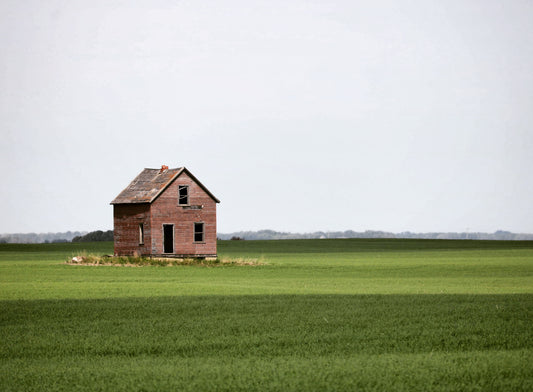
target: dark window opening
199 232
141 233
183 195
168 238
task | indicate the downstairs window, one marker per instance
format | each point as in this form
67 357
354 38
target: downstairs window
199 232
141 233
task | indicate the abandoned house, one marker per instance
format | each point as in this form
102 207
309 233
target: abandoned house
165 213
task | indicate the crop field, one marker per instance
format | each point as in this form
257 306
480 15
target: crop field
316 315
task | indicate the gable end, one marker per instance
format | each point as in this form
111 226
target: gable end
151 183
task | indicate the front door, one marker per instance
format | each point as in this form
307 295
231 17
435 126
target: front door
168 238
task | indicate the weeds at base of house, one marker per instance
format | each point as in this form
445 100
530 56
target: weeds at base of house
138 261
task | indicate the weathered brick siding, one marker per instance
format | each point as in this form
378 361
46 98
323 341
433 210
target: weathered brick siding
126 219
165 210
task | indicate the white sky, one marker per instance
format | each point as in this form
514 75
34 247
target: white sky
297 115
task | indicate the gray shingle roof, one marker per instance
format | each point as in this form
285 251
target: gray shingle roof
150 183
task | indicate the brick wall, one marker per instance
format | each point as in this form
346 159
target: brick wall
165 210
126 220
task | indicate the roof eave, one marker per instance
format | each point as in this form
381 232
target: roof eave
114 203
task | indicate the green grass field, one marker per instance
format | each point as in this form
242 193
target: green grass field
318 315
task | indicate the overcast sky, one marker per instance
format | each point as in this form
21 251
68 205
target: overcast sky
298 115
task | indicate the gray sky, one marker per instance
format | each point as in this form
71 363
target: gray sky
298 115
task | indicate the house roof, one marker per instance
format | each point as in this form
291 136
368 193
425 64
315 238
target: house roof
150 183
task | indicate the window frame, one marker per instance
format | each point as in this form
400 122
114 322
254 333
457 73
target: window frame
172 238
141 233
180 197
202 233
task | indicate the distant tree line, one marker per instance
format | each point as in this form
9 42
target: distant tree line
276 235
95 236
48 238
99 235
35 238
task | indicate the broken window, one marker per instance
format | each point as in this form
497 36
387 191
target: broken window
141 233
183 195
198 232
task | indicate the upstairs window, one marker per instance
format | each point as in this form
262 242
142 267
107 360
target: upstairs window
183 195
199 232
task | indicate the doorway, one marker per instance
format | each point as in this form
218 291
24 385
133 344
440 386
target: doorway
168 238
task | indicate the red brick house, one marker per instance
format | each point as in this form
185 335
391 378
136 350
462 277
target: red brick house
165 213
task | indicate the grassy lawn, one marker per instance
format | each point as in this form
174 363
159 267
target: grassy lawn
319 315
